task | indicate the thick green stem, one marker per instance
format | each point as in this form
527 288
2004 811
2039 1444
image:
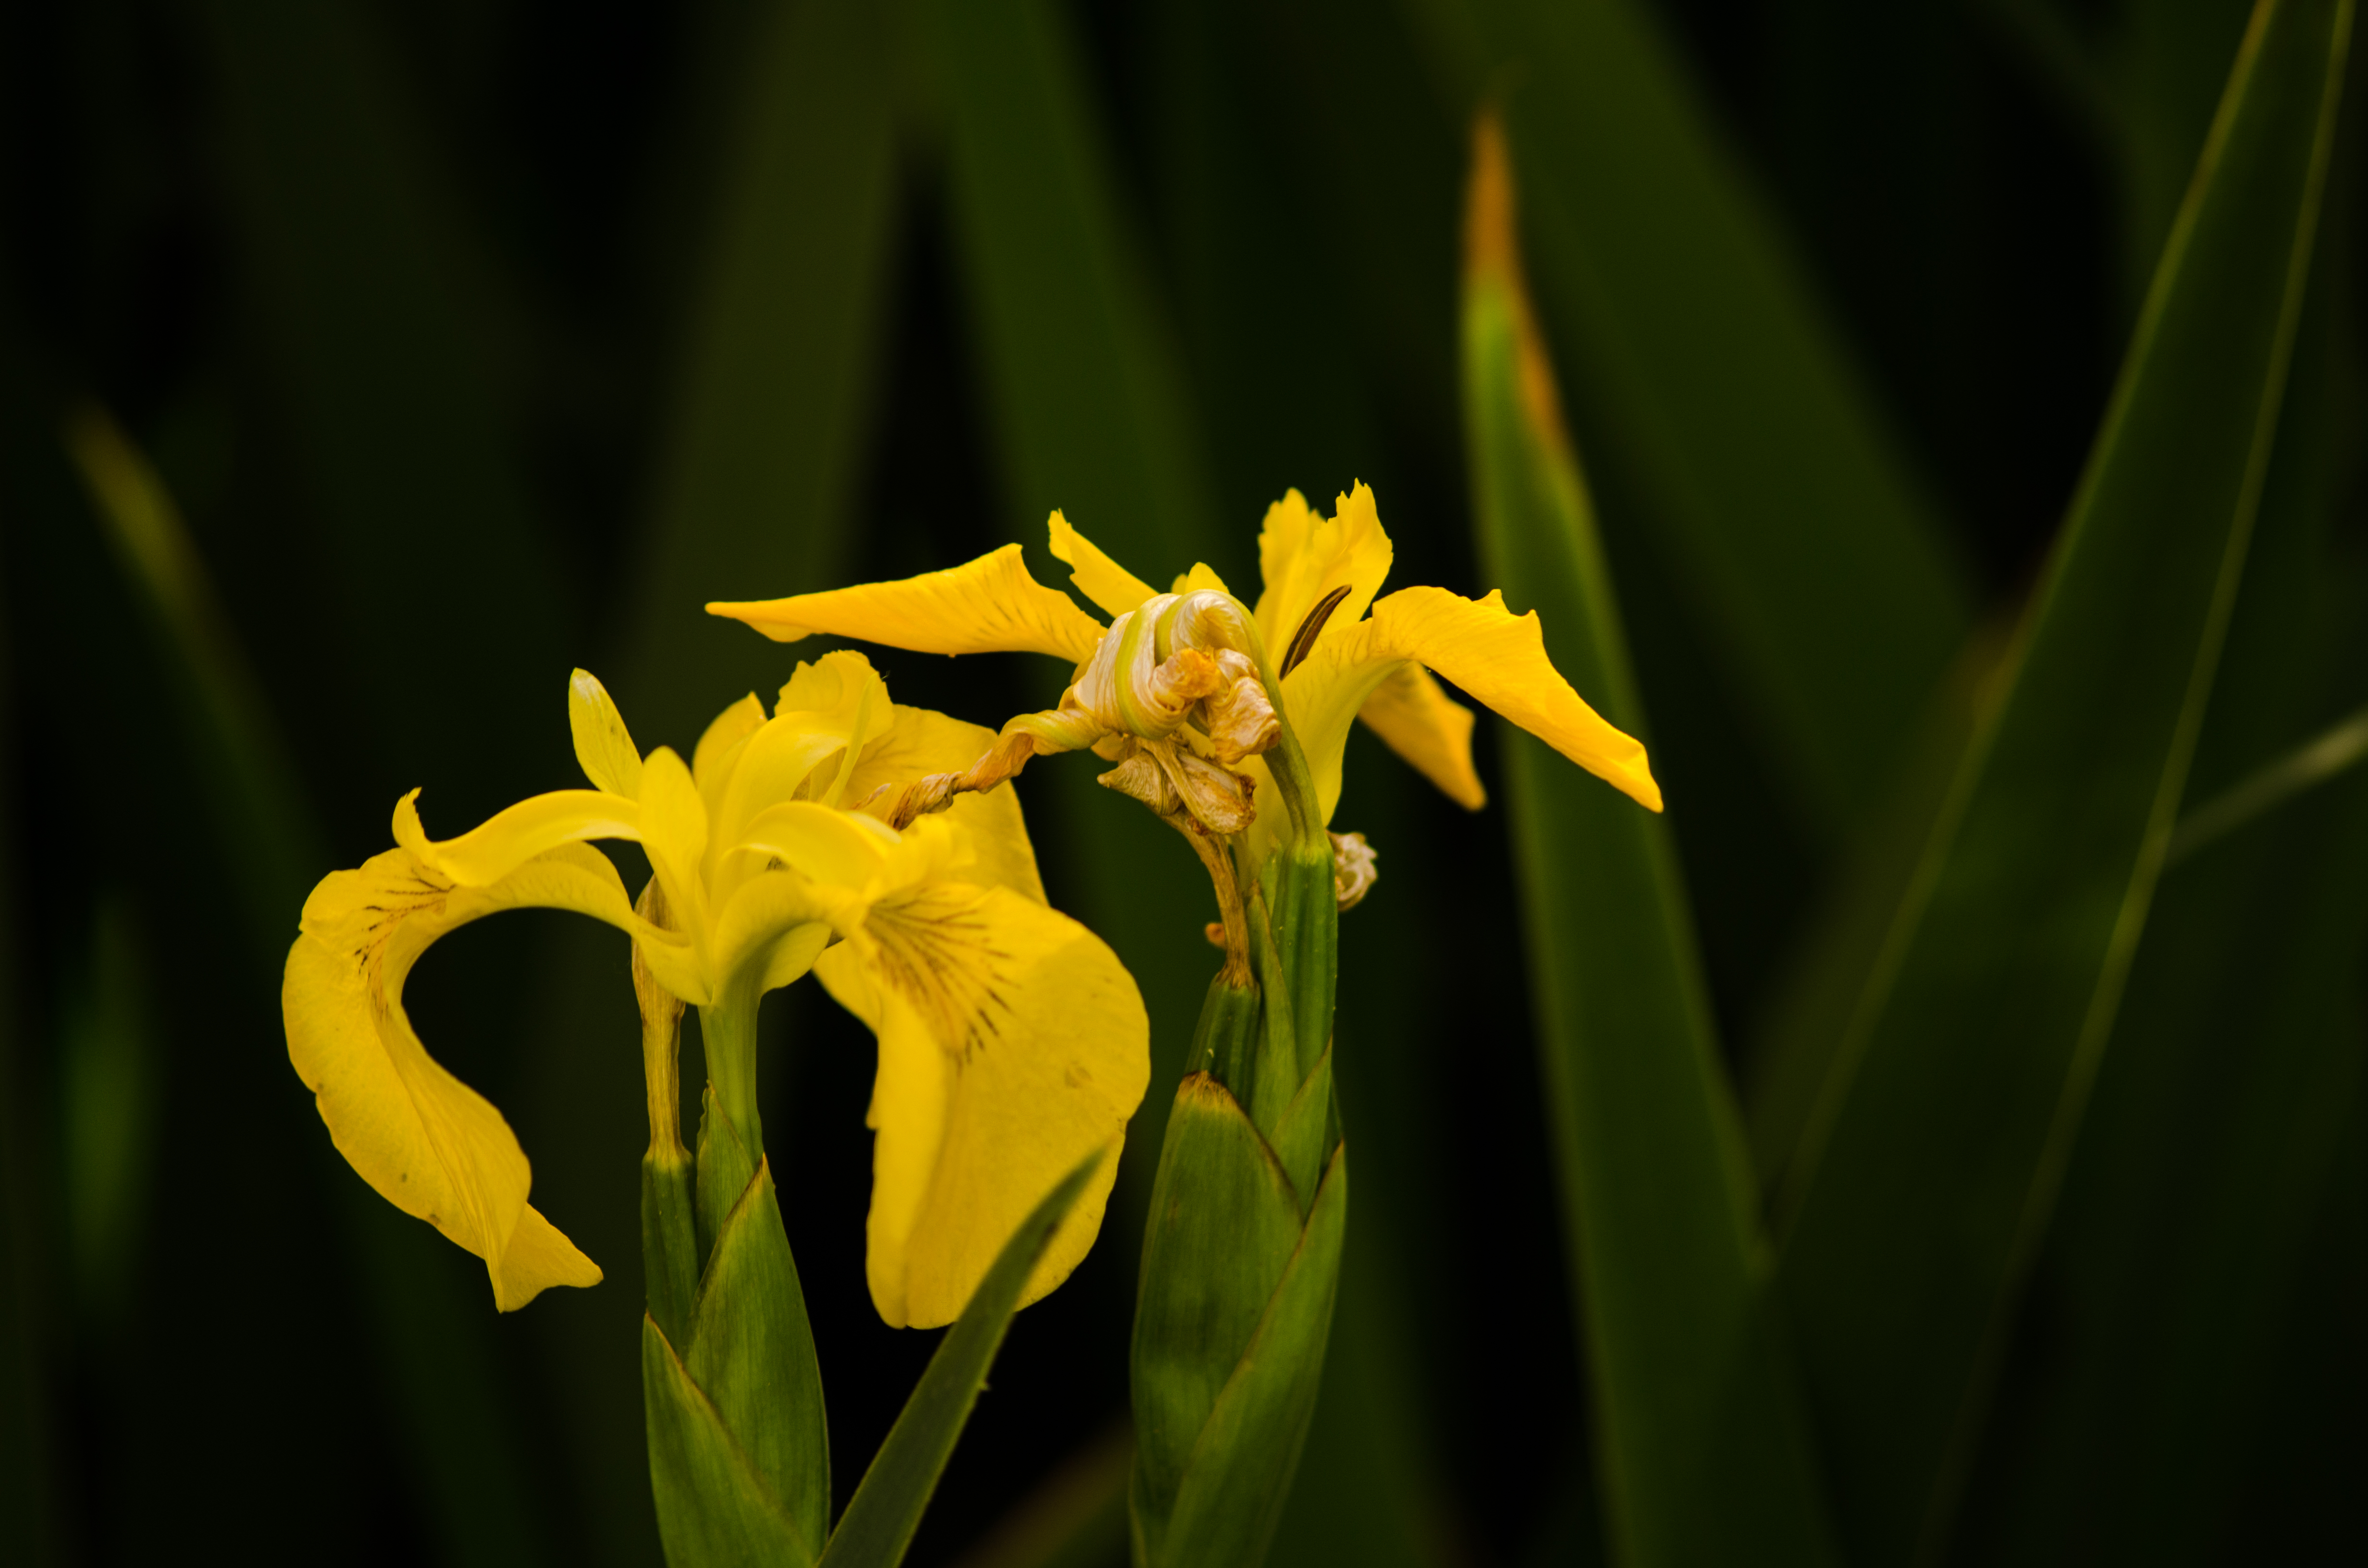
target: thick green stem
728 1031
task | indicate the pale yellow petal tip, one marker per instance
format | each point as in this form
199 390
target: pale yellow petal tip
765 615
537 1259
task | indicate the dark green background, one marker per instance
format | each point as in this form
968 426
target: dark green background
478 342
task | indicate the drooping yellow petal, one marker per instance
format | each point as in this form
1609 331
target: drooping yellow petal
989 606
1429 729
1305 556
922 741
1109 584
1501 658
1012 1044
604 747
426 1142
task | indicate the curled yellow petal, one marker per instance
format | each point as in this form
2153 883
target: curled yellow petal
989 606
1501 658
424 1140
511 838
1429 729
1012 1045
1109 584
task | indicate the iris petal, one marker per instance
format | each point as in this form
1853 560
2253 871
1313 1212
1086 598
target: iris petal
989 606
1501 658
1012 1044
1109 584
424 1140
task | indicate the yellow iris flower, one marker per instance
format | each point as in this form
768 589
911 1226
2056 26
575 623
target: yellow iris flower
1344 654
1012 1043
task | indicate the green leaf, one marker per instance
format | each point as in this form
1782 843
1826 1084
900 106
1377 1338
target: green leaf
1084 392
431 1325
2149 1382
1691 1398
752 1352
766 433
2324 757
1927 1172
1239 1476
886 1508
1714 393
1223 1228
373 317
714 1510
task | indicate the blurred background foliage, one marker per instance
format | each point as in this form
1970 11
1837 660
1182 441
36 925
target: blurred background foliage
471 343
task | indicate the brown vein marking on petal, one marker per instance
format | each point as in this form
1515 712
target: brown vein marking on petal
399 901
939 952
1302 641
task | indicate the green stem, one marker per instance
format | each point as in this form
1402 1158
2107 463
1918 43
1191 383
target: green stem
728 1031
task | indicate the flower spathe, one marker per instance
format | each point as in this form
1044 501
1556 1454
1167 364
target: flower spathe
1366 657
1012 1043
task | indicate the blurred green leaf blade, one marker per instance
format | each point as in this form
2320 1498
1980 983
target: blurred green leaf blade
781 348
887 1505
1703 368
1693 1398
1930 1165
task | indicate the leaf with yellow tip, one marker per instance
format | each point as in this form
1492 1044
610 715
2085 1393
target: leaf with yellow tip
1690 1380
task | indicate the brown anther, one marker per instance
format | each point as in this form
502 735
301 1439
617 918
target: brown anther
1302 641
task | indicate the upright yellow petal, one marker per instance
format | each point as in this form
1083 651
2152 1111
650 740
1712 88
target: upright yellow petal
1100 579
1501 658
675 833
797 754
1202 575
426 1142
922 741
718 752
1305 556
604 747
989 606
1429 729
1012 1044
